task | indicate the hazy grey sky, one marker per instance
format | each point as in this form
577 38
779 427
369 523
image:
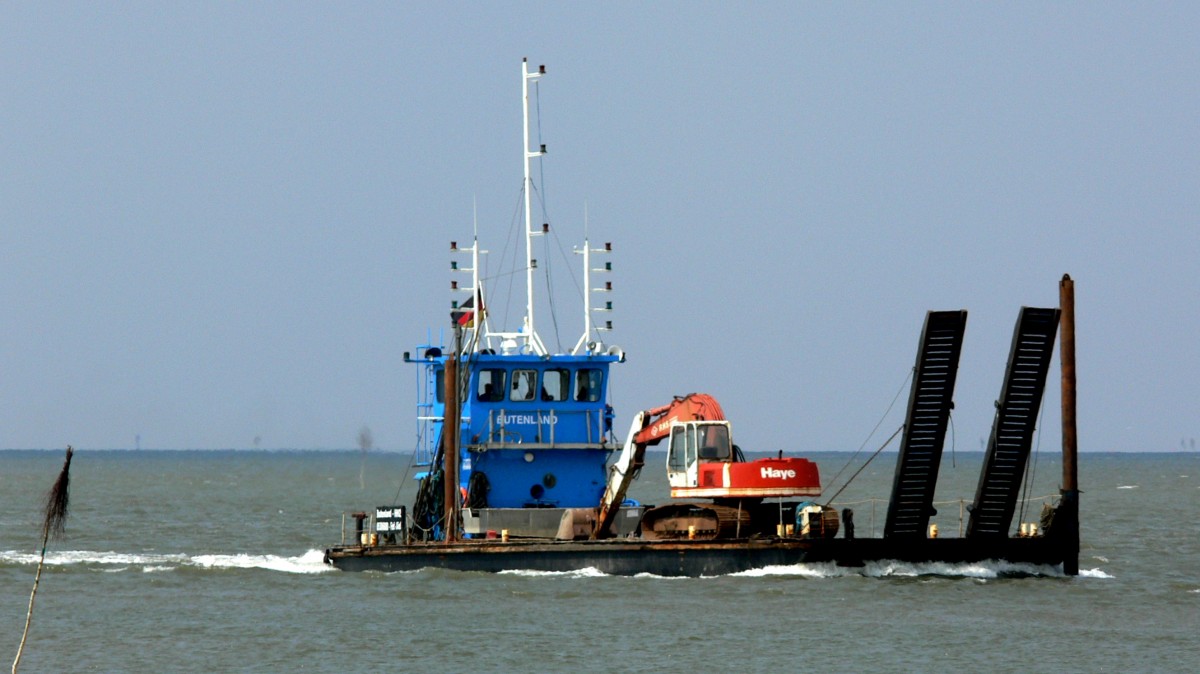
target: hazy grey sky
227 221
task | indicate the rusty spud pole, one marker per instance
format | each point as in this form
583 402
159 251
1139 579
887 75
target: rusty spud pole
450 429
1068 516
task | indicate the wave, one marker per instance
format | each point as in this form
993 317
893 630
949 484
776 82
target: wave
893 569
885 569
825 570
312 561
589 572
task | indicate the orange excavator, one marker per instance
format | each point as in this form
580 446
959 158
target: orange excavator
702 462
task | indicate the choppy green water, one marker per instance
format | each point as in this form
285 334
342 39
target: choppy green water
211 562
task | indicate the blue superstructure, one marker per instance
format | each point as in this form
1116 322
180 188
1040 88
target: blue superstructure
536 428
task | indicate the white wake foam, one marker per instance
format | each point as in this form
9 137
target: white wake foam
827 570
892 569
589 572
312 561
70 557
887 569
308 562
983 570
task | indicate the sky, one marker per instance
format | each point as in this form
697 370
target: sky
222 224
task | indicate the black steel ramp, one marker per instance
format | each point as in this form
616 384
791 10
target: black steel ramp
1016 420
929 405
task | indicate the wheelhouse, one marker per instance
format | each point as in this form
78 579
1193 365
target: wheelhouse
536 430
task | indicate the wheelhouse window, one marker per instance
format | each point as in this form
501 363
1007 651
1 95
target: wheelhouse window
439 384
556 384
490 387
588 385
524 383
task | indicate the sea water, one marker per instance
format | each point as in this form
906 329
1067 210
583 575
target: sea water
211 561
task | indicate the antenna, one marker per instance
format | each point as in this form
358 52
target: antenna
584 344
476 309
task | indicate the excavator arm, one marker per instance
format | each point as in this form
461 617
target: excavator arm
649 427
620 476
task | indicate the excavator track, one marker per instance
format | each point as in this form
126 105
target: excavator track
698 521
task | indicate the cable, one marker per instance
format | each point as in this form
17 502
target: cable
546 271
953 439
1032 471
877 425
868 462
512 237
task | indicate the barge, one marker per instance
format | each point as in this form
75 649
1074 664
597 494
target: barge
522 469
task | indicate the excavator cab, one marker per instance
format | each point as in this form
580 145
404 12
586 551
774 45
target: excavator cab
693 442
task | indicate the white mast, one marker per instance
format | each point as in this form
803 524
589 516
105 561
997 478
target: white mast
526 339
530 334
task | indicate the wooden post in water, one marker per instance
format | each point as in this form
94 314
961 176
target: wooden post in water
1068 509
450 429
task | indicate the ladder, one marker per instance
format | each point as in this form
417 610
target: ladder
1016 420
929 405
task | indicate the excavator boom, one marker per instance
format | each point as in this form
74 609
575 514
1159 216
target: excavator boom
692 407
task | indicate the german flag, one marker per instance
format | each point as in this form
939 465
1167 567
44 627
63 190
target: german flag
464 315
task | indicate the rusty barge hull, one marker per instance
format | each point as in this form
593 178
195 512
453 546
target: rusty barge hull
688 558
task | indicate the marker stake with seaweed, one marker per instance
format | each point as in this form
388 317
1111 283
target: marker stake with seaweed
57 504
